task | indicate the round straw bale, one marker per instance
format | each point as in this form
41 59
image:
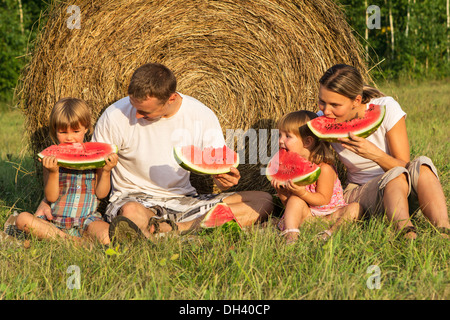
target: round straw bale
249 61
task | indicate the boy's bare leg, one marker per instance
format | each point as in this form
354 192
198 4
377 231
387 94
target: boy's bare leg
39 228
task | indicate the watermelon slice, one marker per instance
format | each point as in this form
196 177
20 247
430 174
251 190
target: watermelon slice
287 165
206 161
217 216
80 156
328 129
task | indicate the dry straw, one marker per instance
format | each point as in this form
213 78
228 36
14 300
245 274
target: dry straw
251 61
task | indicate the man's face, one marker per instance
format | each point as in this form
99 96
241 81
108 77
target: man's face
150 109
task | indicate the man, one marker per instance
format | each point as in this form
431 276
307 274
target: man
150 191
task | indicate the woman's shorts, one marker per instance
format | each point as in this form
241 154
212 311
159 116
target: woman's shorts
370 195
177 209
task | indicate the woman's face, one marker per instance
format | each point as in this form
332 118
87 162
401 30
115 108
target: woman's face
335 105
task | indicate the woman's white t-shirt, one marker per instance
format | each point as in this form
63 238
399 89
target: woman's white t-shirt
146 162
361 170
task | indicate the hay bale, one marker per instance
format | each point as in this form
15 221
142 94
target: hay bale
249 61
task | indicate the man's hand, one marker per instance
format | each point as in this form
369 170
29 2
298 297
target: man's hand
225 181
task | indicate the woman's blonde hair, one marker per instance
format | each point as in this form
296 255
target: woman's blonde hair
69 113
295 122
347 81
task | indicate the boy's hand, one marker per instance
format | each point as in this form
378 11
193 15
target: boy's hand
50 163
44 210
111 161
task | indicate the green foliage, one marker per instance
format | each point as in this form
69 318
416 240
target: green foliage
420 39
17 27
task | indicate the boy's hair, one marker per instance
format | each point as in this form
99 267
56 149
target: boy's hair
295 122
152 80
69 113
347 81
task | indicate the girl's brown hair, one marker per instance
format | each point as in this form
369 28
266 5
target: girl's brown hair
347 81
70 113
295 122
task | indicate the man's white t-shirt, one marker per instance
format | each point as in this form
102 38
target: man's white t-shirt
146 162
361 170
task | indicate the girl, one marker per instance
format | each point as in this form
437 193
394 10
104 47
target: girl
72 193
324 198
380 174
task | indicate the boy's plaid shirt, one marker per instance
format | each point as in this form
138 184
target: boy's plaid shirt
77 200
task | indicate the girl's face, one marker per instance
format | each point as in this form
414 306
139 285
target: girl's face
291 142
335 105
70 135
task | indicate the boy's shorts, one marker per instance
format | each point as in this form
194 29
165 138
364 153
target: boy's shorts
370 195
75 230
177 209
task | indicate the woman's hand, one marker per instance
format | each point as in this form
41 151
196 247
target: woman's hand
397 140
225 181
362 147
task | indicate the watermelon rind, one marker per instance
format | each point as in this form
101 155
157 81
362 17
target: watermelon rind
302 180
363 133
84 165
188 165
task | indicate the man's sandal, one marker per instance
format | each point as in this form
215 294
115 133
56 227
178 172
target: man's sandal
155 221
123 229
290 239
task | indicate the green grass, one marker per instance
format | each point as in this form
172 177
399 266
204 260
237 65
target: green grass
222 264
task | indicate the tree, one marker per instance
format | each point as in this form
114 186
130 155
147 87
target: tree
17 18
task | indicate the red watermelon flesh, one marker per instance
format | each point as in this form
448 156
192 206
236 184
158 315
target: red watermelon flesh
328 129
81 156
206 161
287 165
217 216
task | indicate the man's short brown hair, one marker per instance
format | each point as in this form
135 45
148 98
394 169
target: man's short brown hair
152 80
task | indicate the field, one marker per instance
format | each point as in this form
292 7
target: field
363 260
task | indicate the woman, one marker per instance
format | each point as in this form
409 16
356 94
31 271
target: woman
380 174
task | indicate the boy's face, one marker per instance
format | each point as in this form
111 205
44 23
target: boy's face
71 135
150 109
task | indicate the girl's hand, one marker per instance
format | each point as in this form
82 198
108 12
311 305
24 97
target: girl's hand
111 161
362 147
50 163
299 191
225 181
282 192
